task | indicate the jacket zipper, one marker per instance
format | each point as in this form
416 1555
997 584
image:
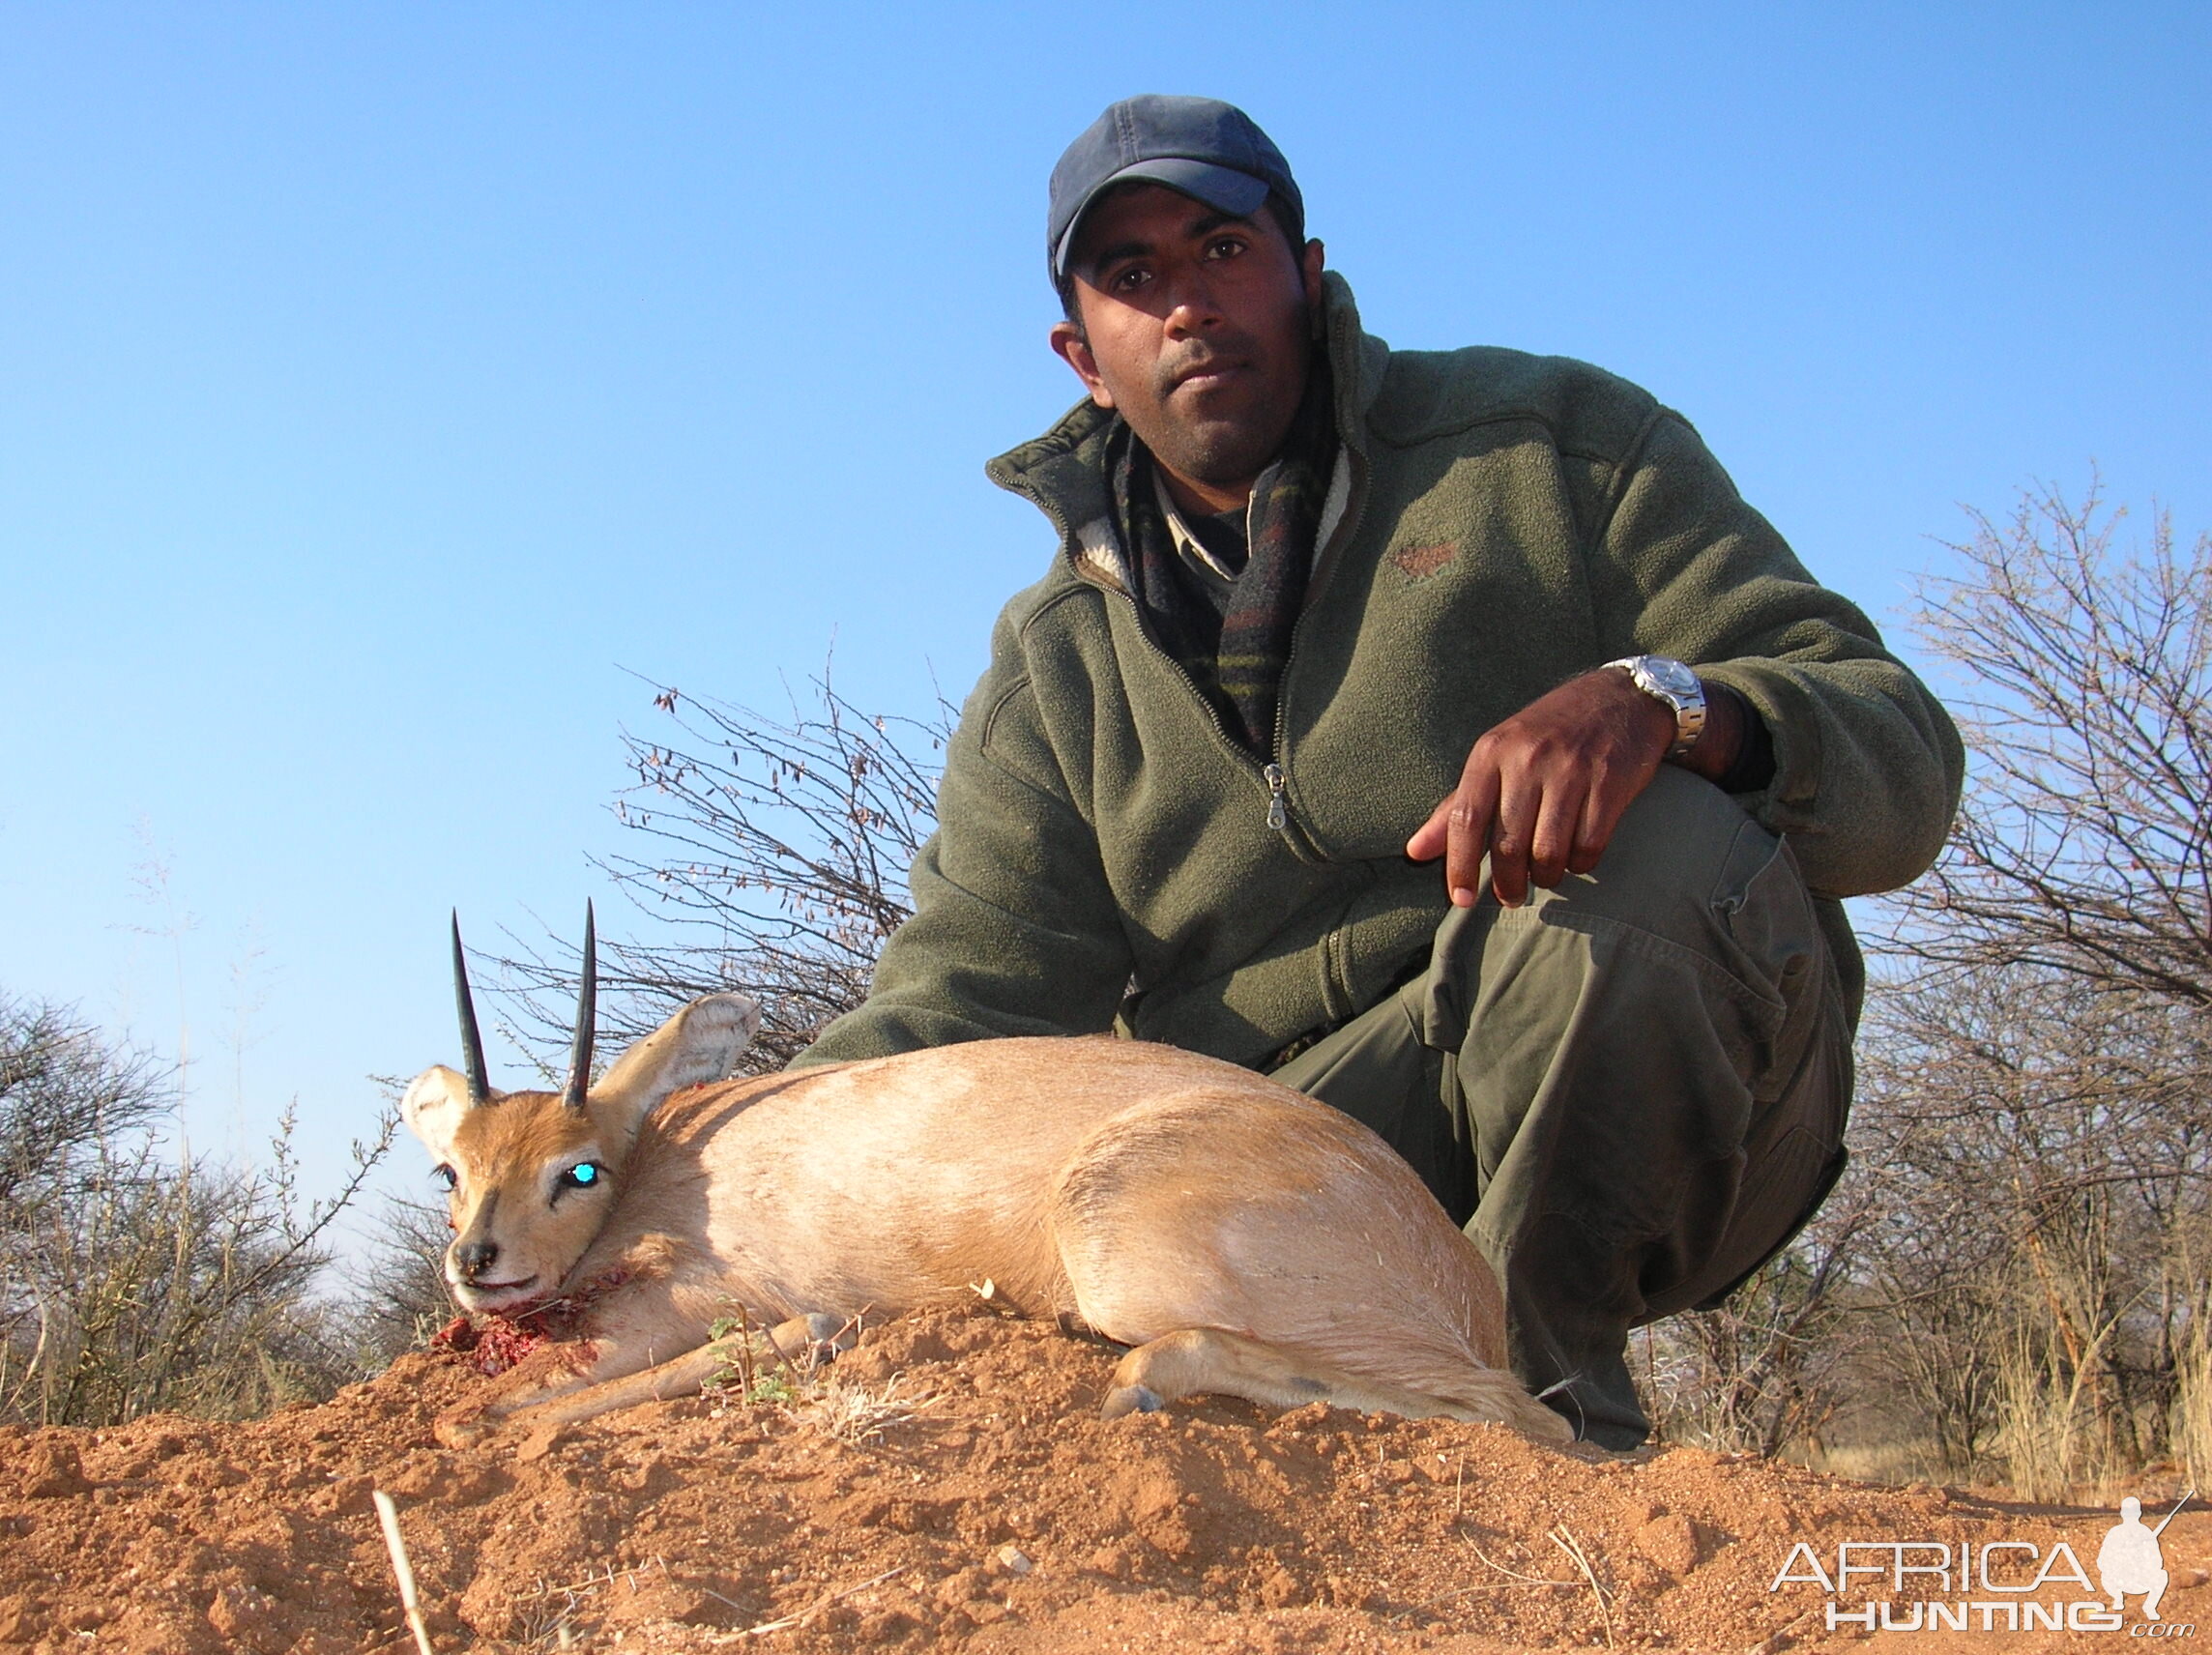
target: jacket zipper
1348 525
1271 772
1279 809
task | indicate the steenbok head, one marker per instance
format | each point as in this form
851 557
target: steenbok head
531 1175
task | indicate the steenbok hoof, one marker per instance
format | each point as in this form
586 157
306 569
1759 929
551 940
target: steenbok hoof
813 1340
1131 1399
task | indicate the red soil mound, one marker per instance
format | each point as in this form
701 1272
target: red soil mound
999 1515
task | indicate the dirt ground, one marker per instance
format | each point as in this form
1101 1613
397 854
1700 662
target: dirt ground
950 1488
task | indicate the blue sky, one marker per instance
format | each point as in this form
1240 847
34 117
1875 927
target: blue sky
378 382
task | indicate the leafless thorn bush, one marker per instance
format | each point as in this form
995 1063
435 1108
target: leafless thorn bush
398 1292
2084 843
131 1284
776 857
2047 1194
2045 1025
2019 1289
61 1083
1769 1370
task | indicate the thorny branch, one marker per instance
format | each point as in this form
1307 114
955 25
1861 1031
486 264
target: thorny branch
778 855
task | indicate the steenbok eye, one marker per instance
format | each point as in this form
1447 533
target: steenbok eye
582 1175
446 1177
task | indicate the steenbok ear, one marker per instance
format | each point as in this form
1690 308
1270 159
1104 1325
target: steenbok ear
702 1042
433 1108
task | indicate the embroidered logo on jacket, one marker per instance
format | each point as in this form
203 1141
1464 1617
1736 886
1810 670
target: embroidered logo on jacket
1419 563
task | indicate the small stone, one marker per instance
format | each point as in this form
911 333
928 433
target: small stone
247 1619
19 1620
1013 1559
51 1470
1671 1542
235 1610
961 1587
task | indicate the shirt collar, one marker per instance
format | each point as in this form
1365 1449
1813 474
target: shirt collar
1188 546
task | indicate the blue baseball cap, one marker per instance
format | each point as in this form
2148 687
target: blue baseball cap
1209 150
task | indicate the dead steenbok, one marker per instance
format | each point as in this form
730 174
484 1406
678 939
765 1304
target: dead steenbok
1245 1239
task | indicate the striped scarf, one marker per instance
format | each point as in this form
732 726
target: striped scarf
1237 666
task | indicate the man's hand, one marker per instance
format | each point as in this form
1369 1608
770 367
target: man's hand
1542 793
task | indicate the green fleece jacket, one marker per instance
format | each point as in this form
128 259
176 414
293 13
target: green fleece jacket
1500 523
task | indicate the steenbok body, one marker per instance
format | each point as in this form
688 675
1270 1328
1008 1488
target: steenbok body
1243 1238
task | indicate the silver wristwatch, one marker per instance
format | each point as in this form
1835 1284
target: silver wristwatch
1675 684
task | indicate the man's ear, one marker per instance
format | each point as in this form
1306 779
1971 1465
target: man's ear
1069 344
1310 265
433 1107
702 1042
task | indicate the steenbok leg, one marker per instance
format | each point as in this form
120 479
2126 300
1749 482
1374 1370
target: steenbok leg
546 1402
1251 1209
1207 1361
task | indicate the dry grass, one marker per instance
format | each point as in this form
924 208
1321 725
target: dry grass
133 1283
854 1411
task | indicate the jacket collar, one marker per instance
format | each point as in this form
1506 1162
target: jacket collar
1063 472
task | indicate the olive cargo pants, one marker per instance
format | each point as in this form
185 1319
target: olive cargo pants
1630 1090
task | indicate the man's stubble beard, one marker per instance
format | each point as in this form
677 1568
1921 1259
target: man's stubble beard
1216 454
1223 451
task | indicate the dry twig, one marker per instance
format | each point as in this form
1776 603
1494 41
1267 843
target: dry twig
819 1605
388 1518
1564 1539
1526 1579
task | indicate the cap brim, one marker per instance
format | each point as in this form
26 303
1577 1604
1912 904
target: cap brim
1222 188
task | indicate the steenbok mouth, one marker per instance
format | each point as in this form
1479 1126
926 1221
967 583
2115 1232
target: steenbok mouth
491 1295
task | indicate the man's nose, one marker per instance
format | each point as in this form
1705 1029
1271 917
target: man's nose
1194 310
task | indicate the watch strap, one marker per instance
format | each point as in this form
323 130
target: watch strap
1666 679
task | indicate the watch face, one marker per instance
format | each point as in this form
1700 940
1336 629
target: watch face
1672 677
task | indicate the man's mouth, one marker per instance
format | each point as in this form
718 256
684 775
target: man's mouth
1207 375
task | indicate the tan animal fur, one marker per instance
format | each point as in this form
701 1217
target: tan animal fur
1244 1239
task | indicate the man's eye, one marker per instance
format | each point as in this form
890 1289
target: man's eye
446 1177
1129 280
1226 246
582 1175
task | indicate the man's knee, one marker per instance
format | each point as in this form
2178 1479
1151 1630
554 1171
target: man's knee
1679 842
1695 917
1688 867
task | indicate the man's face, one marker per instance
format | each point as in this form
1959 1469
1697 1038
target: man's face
1197 326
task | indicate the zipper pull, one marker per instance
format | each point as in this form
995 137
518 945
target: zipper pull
1278 818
